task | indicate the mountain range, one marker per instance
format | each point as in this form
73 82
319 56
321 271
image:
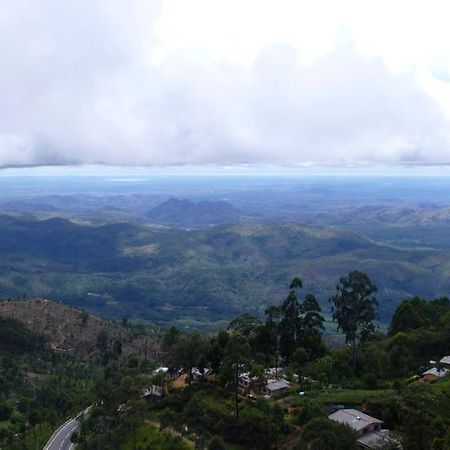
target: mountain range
196 276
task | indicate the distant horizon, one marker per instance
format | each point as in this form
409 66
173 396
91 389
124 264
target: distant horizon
141 172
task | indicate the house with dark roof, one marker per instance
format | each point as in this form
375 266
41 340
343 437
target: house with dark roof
368 429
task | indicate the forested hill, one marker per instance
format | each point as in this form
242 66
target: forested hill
51 357
186 213
76 332
163 274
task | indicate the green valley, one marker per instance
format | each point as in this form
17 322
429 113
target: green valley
163 275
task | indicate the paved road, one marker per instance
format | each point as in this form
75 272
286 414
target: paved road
61 439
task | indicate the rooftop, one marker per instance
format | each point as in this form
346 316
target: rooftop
440 373
445 360
376 439
353 418
275 385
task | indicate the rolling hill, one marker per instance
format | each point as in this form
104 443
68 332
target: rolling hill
189 276
186 213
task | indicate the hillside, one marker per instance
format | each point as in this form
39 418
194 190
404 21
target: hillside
72 331
121 269
407 225
420 215
186 213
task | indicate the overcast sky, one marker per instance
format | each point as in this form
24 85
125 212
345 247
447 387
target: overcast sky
249 82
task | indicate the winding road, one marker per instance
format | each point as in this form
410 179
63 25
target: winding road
61 438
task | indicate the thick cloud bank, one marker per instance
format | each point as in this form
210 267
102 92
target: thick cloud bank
79 85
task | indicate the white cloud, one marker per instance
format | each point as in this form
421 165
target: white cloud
213 82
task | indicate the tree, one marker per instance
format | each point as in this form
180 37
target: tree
299 360
290 324
442 443
103 345
310 410
215 356
321 369
354 308
246 324
5 411
409 315
189 352
216 444
103 341
324 434
269 337
296 283
419 421
310 309
301 323
84 317
265 342
222 338
170 338
235 362
259 377
167 417
117 348
312 327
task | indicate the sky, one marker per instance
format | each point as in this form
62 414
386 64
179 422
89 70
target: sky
201 83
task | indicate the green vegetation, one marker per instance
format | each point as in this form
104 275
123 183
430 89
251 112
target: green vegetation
354 308
124 270
38 388
51 374
321 433
201 401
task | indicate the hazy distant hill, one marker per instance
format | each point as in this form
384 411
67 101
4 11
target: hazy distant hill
186 213
412 225
422 214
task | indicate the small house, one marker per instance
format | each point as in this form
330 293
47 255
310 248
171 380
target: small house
153 391
433 374
368 429
160 370
244 380
198 374
274 388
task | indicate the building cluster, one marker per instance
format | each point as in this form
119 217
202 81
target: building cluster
274 384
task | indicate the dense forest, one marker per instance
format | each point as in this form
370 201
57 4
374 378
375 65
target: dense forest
212 391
